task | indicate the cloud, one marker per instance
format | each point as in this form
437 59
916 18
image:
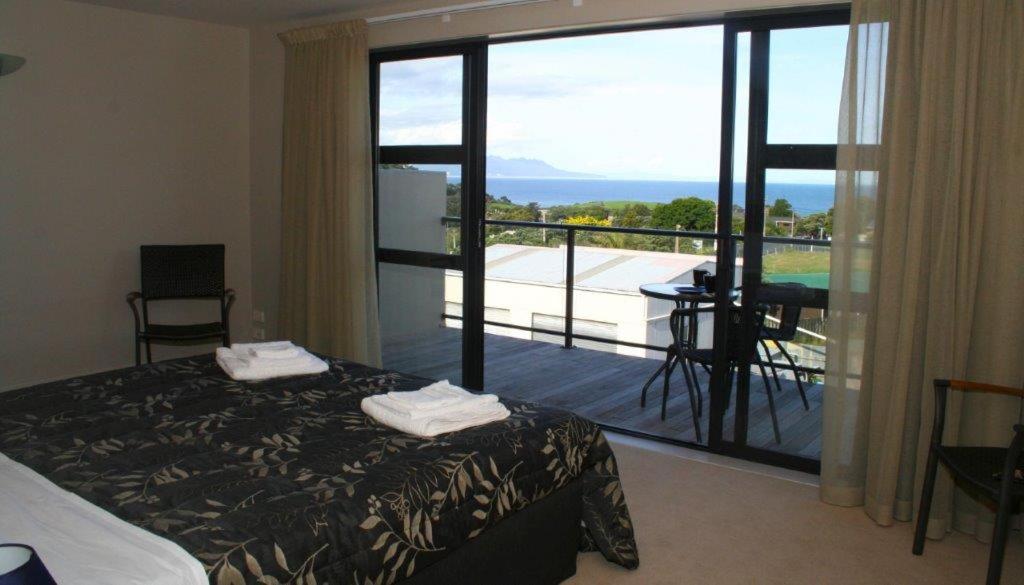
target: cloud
438 133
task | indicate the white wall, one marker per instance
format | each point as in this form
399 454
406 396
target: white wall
122 129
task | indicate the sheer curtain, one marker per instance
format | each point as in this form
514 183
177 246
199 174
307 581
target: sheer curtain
328 273
927 250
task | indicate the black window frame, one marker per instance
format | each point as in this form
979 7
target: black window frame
472 153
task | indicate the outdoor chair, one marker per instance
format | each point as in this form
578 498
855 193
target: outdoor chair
736 351
788 297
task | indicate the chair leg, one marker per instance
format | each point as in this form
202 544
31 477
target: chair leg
694 409
149 352
999 537
138 352
796 375
654 376
668 376
927 491
696 386
771 404
771 364
729 377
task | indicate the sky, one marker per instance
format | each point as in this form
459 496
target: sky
637 105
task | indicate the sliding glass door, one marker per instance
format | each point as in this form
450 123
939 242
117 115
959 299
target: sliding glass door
787 76
427 216
602 157
529 191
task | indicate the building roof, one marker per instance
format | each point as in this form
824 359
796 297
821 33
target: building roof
598 268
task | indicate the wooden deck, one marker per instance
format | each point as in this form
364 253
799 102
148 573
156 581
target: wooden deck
605 387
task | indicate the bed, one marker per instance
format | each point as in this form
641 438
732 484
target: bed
288 481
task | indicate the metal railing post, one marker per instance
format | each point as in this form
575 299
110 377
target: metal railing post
570 269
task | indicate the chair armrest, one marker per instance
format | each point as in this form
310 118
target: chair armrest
229 298
131 298
688 311
967 386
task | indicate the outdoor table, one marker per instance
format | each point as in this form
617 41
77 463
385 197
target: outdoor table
682 295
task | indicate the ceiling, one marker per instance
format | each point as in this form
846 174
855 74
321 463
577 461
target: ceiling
241 12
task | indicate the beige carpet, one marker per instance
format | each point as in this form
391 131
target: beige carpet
700 523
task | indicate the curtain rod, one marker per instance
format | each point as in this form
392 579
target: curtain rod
453 9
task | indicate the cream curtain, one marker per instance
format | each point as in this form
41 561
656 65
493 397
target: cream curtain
927 278
328 279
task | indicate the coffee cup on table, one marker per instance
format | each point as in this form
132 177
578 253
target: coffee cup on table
699 276
709 283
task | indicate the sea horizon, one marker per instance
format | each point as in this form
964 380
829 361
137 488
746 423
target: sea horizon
806 198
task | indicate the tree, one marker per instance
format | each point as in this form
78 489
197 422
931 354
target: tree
815 225
587 220
781 208
690 213
453 200
635 215
592 209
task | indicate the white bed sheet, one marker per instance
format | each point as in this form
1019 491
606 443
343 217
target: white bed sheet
82 543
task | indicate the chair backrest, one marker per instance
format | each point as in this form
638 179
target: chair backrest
789 296
735 349
181 272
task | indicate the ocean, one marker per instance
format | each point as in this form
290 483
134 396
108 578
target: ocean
806 198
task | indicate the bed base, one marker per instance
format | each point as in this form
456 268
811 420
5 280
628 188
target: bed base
538 546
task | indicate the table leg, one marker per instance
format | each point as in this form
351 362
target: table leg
654 376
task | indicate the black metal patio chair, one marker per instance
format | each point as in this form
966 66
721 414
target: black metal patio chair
987 471
788 297
736 350
180 272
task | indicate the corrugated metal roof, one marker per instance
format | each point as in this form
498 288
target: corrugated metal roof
602 268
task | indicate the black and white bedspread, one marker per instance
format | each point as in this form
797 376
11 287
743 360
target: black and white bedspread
288 481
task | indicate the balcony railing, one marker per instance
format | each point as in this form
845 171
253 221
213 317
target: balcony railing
570 231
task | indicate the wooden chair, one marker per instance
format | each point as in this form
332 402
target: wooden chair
180 272
989 470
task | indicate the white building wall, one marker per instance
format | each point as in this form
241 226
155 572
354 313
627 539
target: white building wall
412 203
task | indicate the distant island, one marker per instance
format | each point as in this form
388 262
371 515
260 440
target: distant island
499 167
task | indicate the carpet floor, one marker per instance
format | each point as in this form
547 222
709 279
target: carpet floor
700 523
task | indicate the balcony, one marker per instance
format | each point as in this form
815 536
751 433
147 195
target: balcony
605 387
595 361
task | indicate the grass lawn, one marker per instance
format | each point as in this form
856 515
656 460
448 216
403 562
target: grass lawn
618 206
792 262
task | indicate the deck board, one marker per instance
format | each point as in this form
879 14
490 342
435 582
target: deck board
605 387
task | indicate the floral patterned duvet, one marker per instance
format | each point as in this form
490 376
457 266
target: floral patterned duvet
288 481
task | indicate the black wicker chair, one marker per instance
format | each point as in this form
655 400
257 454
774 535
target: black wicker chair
988 471
735 352
788 296
180 272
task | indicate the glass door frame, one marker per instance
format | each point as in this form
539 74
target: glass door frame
761 155
471 157
471 154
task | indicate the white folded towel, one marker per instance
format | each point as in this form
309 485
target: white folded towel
268 349
241 365
437 395
443 420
